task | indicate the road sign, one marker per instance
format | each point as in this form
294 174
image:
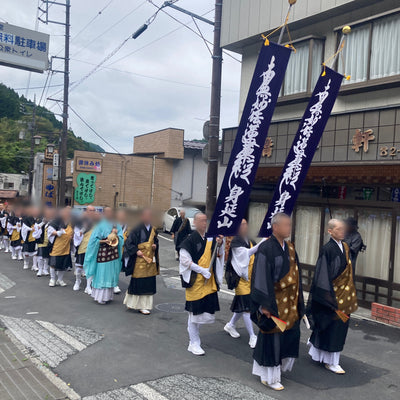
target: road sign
23 48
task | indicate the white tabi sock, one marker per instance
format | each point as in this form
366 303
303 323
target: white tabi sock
45 265
34 262
20 256
89 283
40 265
60 275
13 252
235 318
52 273
248 323
26 261
194 333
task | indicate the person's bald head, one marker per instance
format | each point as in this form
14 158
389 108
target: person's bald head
281 225
147 216
90 212
200 222
108 213
182 213
243 229
337 229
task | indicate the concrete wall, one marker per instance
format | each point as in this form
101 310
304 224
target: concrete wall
242 19
17 181
190 179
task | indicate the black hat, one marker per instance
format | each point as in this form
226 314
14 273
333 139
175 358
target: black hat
351 222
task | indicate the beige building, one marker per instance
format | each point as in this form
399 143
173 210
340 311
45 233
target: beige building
356 169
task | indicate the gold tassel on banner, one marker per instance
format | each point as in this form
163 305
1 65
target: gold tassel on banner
345 31
281 27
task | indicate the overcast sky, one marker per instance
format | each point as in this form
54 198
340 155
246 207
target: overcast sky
164 84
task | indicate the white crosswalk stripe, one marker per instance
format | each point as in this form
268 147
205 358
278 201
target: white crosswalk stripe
5 283
51 343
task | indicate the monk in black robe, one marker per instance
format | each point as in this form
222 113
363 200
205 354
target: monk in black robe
276 293
142 263
201 276
180 230
332 299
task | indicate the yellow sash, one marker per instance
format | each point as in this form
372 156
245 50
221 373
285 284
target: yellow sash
45 240
85 241
30 236
145 267
344 288
244 287
200 290
62 244
15 235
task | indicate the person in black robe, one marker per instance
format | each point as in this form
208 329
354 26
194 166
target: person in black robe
354 240
201 263
276 293
29 236
180 230
142 263
238 271
332 299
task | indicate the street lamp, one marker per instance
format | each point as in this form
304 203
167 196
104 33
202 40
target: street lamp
50 148
37 139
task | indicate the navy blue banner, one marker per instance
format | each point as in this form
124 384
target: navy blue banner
253 129
303 148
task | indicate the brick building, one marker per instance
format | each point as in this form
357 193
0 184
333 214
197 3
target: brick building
133 180
356 169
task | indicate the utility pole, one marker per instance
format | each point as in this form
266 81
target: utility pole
61 177
64 134
32 153
215 107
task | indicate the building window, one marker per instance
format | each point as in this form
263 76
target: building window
307 235
302 74
8 185
372 50
375 227
24 182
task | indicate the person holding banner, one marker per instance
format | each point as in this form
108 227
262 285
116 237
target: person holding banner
278 304
201 269
142 263
332 298
239 267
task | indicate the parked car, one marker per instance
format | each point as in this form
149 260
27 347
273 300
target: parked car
173 212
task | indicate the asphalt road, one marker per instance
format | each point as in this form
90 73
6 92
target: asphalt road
99 349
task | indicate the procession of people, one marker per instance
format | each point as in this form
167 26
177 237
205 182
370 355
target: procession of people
265 276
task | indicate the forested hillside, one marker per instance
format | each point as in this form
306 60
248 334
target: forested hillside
15 116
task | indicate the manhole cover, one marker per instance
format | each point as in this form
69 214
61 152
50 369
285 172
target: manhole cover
171 307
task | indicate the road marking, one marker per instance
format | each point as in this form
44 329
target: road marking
169 240
10 297
5 283
32 313
221 290
147 392
76 344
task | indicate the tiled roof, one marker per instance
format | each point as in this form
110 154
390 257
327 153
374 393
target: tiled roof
191 144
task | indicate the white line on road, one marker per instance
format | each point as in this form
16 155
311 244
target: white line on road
169 240
76 344
147 392
32 313
221 290
10 297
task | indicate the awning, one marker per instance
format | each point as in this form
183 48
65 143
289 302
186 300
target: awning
8 194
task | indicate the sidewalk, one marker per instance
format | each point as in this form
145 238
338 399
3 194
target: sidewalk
20 379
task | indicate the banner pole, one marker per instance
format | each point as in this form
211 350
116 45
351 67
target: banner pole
291 3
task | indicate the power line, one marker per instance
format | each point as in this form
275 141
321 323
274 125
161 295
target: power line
110 27
149 76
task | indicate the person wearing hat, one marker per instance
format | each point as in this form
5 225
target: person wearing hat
353 239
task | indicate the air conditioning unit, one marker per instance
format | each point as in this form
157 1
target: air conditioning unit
122 205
